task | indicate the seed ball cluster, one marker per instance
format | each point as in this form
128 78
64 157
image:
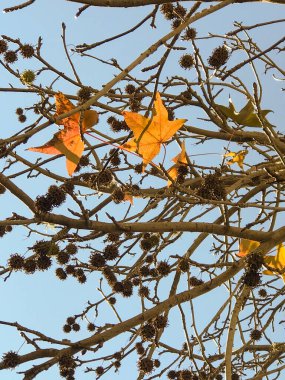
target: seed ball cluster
145 365
253 266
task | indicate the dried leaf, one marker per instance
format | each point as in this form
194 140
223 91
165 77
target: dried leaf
150 133
237 157
68 141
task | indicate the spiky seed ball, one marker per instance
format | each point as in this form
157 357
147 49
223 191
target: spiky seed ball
136 281
117 355
190 34
41 247
97 260
84 93
22 118
138 168
127 288
8 228
146 244
19 111
255 334
30 266
118 195
79 272
10 359
43 204
172 375
28 77
104 178
82 279
219 57
115 160
43 262
71 249
56 195
70 269
145 365
194 281
109 275
113 237
186 95
184 265
166 8
130 89
139 348
163 268
235 376
60 273
66 361
254 261
262 293
27 51
118 287
212 187
112 300
156 363
251 278
99 370
70 320
180 11
75 327
182 170
111 252
3 46
116 125
10 56
91 327
63 257
160 322
186 61
2 189
68 186
149 259
84 161
16 262
66 328
144 271
111 119
185 374
54 249
2 231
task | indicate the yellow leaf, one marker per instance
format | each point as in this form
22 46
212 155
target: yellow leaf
276 262
150 133
246 246
237 157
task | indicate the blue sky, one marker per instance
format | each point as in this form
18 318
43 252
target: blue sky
41 301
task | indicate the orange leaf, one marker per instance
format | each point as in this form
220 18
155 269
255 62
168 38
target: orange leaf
276 262
130 198
237 157
179 160
246 246
68 141
149 134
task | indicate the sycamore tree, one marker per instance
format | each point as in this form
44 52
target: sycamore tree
163 186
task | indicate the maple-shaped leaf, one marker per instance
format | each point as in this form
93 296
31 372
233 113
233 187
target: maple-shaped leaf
68 141
246 116
276 262
236 157
179 160
150 133
246 246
